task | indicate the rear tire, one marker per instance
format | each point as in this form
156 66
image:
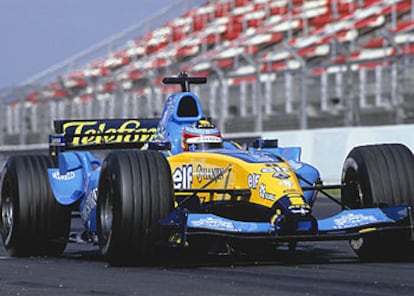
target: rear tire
135 191
32 222
378 176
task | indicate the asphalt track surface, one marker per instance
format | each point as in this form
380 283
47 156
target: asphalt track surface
316 268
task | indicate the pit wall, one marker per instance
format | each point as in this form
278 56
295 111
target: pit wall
326 149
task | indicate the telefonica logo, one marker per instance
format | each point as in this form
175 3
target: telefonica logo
94 132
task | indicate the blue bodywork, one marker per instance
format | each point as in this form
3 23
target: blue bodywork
76 179
344 225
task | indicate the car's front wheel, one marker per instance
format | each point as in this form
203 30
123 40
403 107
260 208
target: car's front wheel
135 191
378 176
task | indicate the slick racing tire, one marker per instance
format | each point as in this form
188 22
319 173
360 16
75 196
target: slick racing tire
32 222
135 191
378 176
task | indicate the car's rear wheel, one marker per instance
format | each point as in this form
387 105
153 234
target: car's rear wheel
135 192
378 176
32 222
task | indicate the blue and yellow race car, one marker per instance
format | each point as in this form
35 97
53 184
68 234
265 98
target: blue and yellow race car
174 182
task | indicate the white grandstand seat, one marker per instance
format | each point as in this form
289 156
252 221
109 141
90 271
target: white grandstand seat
96 69
305 52
255 42
255 18
75 83
54 91
116 60
75 80
136 49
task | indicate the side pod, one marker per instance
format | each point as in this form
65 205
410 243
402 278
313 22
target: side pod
69 181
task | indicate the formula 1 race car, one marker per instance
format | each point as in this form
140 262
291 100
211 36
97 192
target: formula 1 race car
173 182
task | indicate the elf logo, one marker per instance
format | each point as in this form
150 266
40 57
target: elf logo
183 177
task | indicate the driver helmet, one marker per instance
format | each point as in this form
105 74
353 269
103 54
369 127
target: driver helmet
201 135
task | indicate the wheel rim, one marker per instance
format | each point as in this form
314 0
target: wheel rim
352 192
6 213
106 213
357 243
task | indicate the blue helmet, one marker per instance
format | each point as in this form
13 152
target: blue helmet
201 135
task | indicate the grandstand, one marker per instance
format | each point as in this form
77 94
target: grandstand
271 65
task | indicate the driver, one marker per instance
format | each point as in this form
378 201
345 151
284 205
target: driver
201 135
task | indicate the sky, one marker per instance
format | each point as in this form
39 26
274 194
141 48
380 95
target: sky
36 34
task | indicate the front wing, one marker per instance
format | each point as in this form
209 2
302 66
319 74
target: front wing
347 224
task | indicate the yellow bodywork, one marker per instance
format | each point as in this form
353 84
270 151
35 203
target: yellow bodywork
267 181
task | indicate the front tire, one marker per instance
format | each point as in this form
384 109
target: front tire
378 176
135 192
32 222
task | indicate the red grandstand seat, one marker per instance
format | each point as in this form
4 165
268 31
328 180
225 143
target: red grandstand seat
404 26
322 19
314 51
34 96
198 23
222 9
180 28
233 31
261 6
238 3
201 16
403 6
368 3
135 75
248 78
279 66
96 69
187 51
211 38
225 63
108 87
278 10
139 91
86 98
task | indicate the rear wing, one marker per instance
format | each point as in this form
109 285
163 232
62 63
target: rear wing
101 134
184 80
